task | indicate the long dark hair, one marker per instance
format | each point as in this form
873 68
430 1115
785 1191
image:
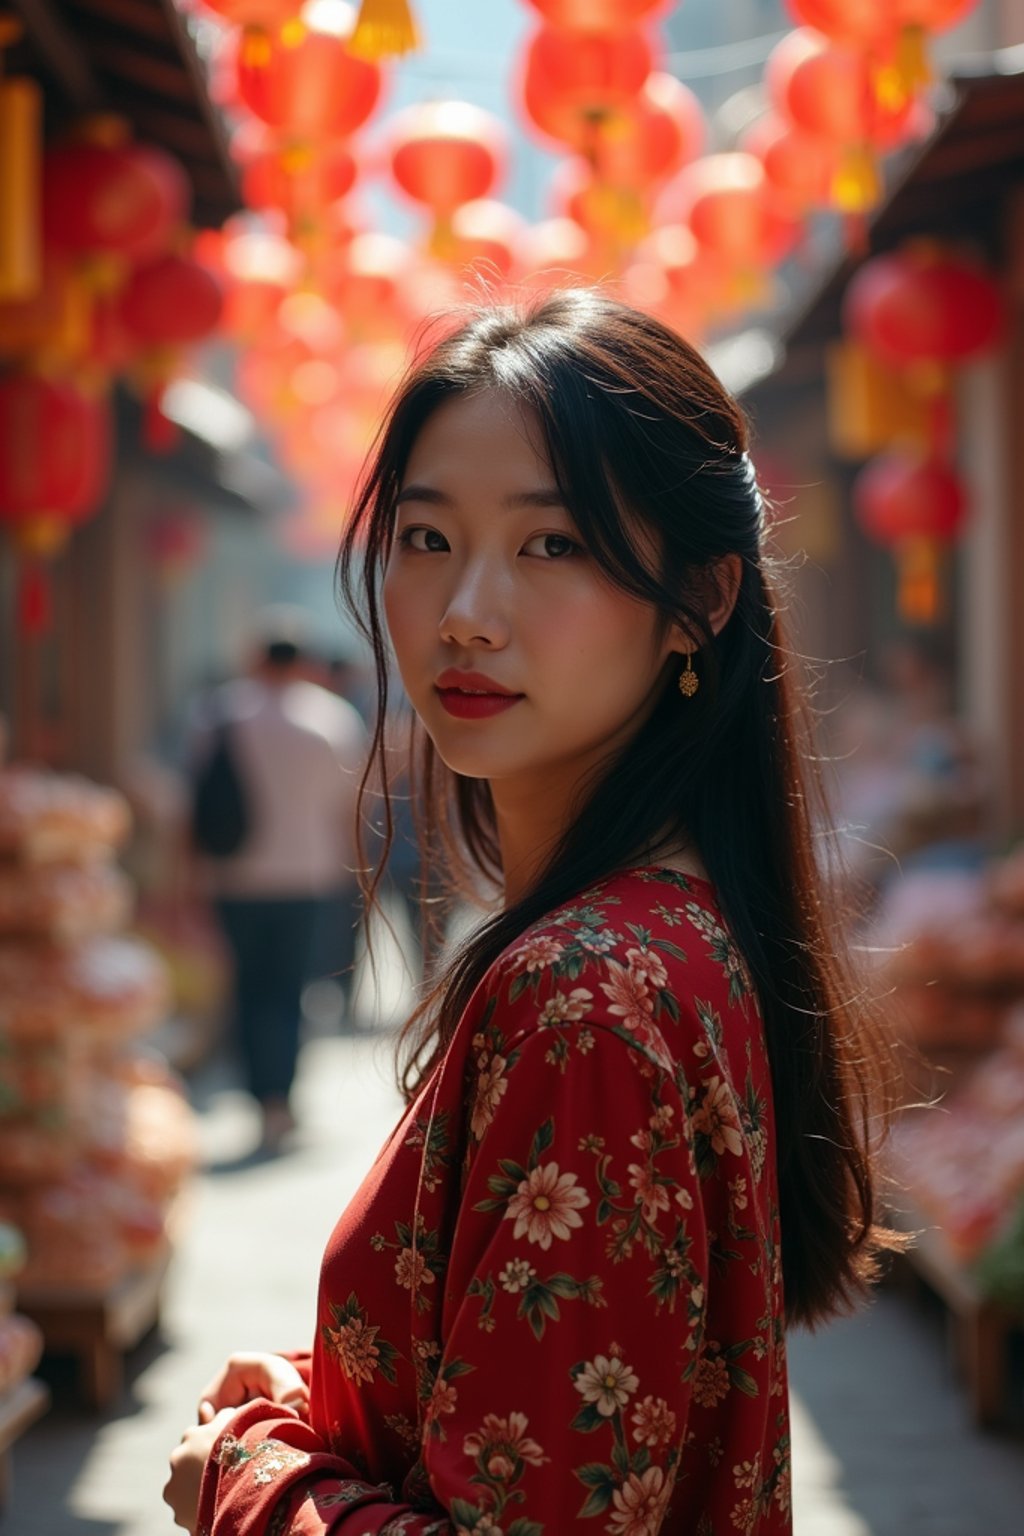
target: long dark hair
642 436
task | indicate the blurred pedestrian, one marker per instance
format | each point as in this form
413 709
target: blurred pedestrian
276 762
639 1132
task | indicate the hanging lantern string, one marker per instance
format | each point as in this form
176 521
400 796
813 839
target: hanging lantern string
385 29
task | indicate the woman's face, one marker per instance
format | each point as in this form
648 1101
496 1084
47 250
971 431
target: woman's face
519 656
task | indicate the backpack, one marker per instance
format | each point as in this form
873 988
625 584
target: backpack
220 813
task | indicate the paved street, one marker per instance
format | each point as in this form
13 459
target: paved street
882 1446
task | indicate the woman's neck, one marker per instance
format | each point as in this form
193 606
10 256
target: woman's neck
527 844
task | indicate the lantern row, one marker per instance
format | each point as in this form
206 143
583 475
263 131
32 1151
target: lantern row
323 305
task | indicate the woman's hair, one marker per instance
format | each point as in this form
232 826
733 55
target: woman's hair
643 440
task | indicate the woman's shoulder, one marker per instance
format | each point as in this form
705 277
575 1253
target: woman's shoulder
644 952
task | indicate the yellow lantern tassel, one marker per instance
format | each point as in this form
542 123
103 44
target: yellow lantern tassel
856 185
255 49
21 117
386 29
919 590
442 244
912 59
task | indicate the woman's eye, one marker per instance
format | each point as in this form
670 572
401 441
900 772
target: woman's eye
425 540
552 546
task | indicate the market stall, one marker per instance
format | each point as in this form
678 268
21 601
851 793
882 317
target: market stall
96 1137
953 969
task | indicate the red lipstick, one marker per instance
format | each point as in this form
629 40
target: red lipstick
473 695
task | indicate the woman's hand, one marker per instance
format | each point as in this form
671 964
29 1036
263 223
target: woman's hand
247 1375
181 1491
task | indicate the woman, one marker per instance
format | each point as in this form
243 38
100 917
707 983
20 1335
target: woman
636 1141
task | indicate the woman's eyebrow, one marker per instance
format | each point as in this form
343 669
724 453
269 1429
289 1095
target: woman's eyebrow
543 496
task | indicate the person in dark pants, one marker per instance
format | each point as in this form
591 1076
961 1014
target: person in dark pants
271 942
297 752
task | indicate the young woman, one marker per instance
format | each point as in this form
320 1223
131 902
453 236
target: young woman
637 1136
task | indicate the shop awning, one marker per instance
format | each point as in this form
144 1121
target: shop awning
135 58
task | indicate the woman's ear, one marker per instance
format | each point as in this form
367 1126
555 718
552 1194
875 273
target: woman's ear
721 583
724 579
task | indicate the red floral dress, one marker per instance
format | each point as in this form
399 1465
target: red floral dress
555 1304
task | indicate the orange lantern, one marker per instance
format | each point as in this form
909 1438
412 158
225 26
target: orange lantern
895 28
444 153
598 15
575 82
855 22
726 201
308 83
300 182
112 199
656 134
828 90
258 20
800 167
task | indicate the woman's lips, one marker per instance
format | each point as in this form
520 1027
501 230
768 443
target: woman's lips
475 706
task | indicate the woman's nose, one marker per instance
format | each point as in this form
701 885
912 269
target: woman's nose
475 613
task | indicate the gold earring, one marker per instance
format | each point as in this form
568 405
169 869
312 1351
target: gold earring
689 682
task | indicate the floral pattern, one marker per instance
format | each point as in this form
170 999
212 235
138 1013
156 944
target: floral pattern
556 1301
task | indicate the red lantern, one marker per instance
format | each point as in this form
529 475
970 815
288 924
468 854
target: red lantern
598 15
255 16
890 28
914 506
828 90
445 153
847 21
658 133
54 452
900 496
171 302
920 307
122 200
306 82
574 82
301 183
800 167
725 200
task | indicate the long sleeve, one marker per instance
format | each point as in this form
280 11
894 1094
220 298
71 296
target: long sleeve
559 1393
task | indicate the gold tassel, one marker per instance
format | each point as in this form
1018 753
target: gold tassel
386 29
856 185
21 123
919 596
